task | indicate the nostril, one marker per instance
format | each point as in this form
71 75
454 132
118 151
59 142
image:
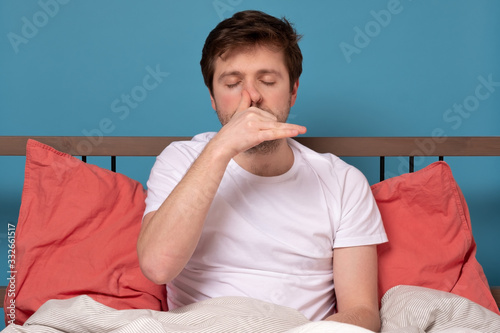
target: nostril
257 102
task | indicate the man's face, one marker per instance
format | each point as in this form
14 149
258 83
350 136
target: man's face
262 73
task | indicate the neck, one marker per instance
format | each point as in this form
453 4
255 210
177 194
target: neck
267 162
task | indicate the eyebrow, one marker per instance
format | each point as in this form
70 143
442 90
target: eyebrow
259 72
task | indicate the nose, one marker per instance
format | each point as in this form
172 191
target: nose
254 93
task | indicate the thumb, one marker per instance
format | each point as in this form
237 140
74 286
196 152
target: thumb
245 102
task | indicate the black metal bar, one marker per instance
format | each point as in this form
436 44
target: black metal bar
441 158
113 163
84 159
412 163
382 168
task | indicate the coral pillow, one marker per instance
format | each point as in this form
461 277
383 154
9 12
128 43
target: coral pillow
430 238
76 234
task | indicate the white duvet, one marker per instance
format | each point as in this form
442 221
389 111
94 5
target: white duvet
405 309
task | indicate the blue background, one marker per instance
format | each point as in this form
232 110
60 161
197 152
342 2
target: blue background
66 68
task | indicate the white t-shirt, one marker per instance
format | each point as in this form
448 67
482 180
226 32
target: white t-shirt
271 238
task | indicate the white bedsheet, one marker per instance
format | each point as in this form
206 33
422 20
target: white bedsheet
405 309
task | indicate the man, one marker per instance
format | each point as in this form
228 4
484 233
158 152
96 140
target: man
248 211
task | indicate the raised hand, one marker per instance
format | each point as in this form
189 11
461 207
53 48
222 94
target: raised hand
249 126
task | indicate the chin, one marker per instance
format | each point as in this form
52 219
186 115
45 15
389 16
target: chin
266 147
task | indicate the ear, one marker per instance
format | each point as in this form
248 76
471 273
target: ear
212 99
294 93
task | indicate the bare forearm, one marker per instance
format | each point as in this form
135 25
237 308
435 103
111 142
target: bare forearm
170 237
359 316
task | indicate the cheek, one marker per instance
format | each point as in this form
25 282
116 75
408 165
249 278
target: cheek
284 100
228 101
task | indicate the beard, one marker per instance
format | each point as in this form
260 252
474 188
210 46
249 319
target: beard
265 147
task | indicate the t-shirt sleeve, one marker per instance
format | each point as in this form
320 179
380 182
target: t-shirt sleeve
360 222
168 170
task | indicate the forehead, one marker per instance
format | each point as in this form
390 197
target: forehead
251 60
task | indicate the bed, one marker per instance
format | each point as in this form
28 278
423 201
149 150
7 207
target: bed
74 268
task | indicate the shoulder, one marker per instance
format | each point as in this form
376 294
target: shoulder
327 164
190 149
179 155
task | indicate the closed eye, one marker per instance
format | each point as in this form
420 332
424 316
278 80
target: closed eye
232 85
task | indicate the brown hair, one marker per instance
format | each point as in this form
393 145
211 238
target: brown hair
246 29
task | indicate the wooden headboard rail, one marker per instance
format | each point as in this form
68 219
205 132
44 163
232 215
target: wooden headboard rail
341 146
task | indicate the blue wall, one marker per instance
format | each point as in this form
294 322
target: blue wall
371 68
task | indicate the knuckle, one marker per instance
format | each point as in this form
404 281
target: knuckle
251 124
